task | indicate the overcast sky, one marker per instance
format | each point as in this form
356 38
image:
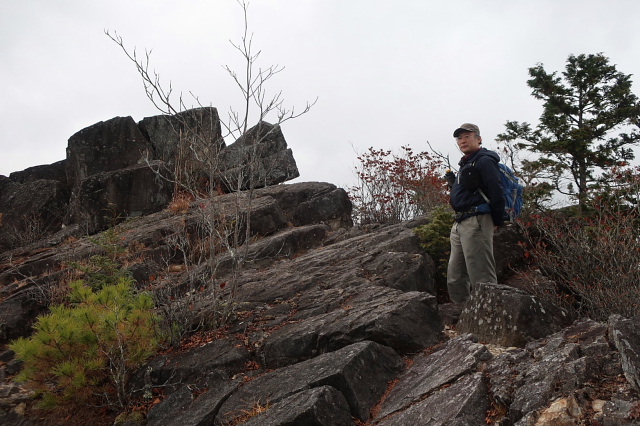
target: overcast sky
386 73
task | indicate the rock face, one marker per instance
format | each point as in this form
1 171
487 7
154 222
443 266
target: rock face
360 372
104 147
409 403
106 198
30 210
56 171
108 176
626 336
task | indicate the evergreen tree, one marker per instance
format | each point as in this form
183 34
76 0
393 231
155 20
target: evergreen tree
85 352
589 122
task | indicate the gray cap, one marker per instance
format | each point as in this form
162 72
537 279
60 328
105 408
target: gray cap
466 127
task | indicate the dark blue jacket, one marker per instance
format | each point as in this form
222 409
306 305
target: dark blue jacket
470 201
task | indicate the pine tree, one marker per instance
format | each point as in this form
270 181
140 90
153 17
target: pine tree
589 122
85 351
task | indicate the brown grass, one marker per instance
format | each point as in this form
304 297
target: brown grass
180 203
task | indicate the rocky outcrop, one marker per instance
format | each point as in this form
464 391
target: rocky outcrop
119 169
27 273
308 206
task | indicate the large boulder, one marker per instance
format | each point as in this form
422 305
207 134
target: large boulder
107 198
507 316
187 407
359 371
283 244
429 372
103 147
405 321
321 406
390 257
257 159
190 139
313 202
462 403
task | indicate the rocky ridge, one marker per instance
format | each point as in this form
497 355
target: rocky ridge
339 325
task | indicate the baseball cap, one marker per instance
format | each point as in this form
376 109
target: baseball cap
466 127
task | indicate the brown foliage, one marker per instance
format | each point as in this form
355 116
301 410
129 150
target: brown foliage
592 259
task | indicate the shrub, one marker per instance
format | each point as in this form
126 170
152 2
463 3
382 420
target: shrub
593 258
106 267
434 239
393 188
619 185
85 349
84 352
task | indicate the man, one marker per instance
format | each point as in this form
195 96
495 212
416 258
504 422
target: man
477 198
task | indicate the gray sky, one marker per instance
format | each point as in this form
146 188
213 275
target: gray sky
386 73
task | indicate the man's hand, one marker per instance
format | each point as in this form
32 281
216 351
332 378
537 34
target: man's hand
450 178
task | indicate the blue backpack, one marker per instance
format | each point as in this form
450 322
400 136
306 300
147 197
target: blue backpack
513 188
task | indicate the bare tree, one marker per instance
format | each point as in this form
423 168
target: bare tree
198 171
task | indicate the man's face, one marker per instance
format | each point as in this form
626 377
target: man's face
468 142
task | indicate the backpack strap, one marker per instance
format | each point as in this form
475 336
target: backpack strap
480 189
483 195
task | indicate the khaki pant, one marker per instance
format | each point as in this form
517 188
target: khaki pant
471 259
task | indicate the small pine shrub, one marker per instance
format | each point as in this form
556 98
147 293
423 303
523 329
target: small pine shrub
105 268
434 239
84 352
